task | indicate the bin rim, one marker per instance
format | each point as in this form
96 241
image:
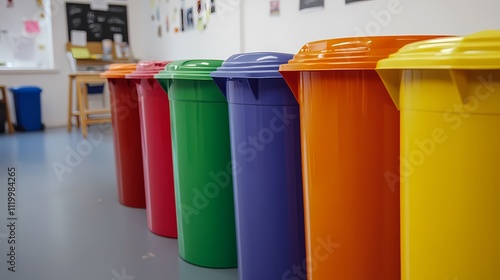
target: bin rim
259 65
119 70
349 53
147 69
25 89
190 69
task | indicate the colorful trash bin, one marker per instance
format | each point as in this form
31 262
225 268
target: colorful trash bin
350 143
448 93
28 109
265 143
156 148
126 135
202 163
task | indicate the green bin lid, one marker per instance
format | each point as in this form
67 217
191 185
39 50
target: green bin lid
193 69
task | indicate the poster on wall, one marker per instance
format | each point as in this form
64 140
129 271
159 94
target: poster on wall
189 19
186 16
353 1
175 20
309 4
204 10
183 19
212 6
275 7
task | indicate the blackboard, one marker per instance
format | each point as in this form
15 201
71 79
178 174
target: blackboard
98 24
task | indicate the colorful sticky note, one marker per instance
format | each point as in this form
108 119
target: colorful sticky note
80 53
31 27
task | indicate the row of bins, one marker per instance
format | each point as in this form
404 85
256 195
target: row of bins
301 166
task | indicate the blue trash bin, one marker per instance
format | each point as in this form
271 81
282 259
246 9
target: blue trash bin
28 107
265 144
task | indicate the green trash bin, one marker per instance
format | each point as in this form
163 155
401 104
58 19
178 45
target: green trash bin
202 163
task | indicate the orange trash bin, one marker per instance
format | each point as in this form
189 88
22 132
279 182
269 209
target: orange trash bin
350 149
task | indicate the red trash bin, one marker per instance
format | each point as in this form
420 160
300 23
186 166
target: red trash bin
126 135
156 149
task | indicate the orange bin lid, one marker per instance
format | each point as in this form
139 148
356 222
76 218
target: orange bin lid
352 53
119 70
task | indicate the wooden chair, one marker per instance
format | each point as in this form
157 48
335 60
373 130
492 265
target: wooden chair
83 113
5 100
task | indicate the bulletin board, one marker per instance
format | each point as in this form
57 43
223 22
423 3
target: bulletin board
98 24
26 35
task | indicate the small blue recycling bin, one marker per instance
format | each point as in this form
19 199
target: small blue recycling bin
265 142
28 107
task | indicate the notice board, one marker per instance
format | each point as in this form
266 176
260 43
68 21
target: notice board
98 24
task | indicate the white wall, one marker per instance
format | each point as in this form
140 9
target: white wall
245 25
293 29
220 39
55 85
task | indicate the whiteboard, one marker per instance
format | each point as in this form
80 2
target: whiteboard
26 35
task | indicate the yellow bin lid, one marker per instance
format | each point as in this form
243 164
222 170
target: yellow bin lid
119 70
477 51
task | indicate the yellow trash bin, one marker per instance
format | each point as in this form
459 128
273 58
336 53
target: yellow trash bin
448 94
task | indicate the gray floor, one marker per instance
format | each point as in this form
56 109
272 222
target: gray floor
74 228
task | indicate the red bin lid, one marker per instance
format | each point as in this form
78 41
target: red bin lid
147 69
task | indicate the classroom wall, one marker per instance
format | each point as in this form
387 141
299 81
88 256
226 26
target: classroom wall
55 83
218 36
259 31
292 28
245 25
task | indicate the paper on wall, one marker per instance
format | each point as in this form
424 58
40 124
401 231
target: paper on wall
99 5
117 38
31 27
310 4
79 38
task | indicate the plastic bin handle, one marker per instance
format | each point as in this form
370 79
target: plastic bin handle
221 84
392 81
253 85
292 78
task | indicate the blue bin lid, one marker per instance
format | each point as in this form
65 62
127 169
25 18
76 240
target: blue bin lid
26 89
256 65
253 65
